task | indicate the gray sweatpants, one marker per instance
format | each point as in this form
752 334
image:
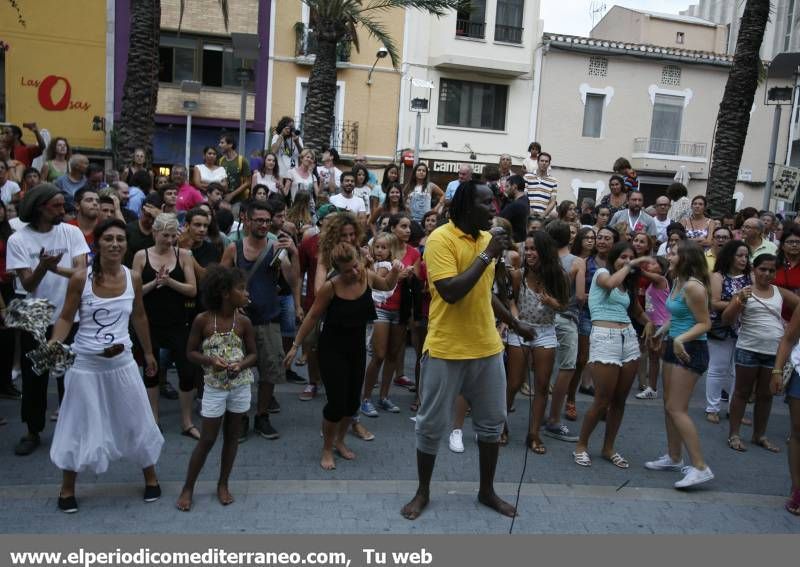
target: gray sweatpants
482 381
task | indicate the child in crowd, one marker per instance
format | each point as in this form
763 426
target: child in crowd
223 342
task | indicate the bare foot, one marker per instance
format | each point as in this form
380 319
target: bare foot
345 452
327 462
184 503
223 495
493 501
413 509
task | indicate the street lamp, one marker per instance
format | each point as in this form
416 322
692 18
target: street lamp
191 88
381 54
246 47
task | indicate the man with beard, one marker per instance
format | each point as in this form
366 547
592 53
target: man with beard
43 254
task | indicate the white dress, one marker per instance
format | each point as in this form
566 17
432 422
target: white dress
269 180
208 176
105 415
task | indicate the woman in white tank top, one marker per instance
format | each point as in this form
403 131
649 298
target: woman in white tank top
105 414
758 307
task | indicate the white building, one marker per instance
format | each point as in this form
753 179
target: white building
481 66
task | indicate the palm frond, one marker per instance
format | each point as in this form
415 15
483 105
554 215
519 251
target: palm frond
436 8
377 30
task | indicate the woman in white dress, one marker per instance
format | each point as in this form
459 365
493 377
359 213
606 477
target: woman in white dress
105 415
301 178
267 174
209 171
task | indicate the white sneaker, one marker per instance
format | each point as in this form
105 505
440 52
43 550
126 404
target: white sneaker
647 394
664 463
456 441
695 476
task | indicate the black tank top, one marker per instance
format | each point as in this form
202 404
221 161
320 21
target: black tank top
350 313
165 307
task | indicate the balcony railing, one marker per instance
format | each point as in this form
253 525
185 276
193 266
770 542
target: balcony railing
306 44
344 135
509 34
467 28
678 148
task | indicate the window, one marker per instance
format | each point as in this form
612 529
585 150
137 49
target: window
593 115
471 20
665 131
679 38
188 58
598 66
508 26
472 105
787 38
671 76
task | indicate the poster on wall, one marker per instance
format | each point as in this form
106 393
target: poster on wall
784 183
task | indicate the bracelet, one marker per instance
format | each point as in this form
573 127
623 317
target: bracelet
485 258
777 371
295 345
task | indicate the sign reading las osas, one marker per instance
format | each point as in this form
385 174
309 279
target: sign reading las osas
54 93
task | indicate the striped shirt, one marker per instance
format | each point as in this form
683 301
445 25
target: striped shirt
540 190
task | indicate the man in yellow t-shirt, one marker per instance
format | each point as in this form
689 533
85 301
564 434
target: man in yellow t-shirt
463 353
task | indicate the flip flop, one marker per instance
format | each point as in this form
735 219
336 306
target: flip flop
582 459
735 443
765 444
618 461
537 447
188 432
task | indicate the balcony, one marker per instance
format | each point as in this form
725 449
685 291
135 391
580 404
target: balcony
508 34
657 154
344 135
305 49
467 28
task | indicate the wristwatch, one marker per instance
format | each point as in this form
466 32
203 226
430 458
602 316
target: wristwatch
485 258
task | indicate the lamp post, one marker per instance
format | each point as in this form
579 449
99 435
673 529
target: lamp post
419 105
246 47
191 88
381 54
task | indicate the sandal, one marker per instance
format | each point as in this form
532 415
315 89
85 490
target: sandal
192 432
582 459
793 503
712 417
504 436
735 443
618 461
536 446
571 412
764 443
414 406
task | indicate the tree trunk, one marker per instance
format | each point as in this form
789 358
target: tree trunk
318 115
136 126
733 119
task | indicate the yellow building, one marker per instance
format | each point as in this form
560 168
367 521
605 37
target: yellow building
54 70
366 113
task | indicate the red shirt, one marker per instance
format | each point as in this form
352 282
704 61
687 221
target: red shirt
89 236
307 254
188 197
26 154
788 278
410 258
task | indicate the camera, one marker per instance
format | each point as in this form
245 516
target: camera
296 132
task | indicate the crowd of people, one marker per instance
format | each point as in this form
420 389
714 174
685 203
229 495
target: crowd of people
237 275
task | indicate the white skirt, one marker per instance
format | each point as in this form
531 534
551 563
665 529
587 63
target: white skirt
105 416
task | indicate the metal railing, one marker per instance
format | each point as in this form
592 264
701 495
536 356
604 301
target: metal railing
509 34
306 44
467 28
665 147
344 135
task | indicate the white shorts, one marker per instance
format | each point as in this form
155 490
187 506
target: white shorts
613 346
217 401
545 338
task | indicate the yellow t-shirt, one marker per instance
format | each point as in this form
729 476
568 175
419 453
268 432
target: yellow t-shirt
463 330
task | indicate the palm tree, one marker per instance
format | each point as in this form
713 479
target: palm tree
733 118
334 21
136 126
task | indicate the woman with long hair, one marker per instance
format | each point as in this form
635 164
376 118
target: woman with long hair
700 228
430 221
267 174
541 289
583 245
203 174
392 204
345 299
603 217
7 341
362 188
614 349
138 163
759 308
168 280
420 193
56 159
567 211
680 209
301 178
787 275
105 414
391 175
616 199
300 213
685 360
730 276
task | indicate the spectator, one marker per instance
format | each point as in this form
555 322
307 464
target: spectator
57 159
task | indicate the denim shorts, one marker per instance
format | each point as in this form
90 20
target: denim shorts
567 335
698 355
387 316
545 338
752 359
793 387
584 324
287 316
613 346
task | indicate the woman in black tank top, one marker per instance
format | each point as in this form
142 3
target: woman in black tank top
168 280
345 301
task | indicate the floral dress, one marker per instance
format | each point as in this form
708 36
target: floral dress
229 347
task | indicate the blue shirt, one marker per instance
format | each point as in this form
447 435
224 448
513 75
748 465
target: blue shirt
265 306
682 317
136 199
608 305
450 192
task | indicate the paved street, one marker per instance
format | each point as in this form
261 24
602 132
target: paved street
280 487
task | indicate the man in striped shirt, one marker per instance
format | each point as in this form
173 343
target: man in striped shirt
541 188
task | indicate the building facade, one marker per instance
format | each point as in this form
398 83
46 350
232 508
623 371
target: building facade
472 75
602 99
